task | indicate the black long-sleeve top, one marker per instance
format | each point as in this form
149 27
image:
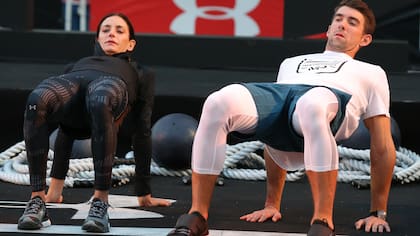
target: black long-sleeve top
141 85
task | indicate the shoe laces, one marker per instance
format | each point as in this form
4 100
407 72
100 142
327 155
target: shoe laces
98 208
34 206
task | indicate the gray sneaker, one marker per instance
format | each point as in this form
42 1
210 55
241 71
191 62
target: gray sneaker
97 219
35 215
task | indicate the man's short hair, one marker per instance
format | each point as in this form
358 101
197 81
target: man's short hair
362 7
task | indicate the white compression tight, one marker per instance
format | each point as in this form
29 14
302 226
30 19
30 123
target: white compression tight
312 116
233 109
229 109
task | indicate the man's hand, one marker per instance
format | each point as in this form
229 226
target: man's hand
149 201
263 215
373 224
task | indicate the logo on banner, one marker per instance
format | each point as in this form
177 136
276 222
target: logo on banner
248 18
244 25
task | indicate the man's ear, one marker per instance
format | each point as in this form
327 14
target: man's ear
366 40
328 31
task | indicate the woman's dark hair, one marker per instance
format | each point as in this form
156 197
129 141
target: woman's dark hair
362 7
124 17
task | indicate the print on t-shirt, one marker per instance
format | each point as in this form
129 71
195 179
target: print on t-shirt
317 66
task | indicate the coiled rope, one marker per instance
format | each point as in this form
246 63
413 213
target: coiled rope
242 162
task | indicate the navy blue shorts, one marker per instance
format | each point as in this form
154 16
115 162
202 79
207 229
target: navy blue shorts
275 106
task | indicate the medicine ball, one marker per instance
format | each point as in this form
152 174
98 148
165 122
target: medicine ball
172 139
360 139
81 147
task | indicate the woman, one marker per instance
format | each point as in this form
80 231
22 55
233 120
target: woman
91 99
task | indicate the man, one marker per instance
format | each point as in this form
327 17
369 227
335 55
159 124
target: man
318 99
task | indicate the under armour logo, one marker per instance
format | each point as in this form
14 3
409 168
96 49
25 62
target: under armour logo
32 107
244 25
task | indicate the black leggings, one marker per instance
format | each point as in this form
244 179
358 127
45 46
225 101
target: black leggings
83 104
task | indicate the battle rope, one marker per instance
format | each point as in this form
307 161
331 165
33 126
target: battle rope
242 162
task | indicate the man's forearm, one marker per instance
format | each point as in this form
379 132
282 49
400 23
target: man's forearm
382 166
276 178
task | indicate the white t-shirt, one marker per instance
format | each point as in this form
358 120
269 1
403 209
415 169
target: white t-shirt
367 83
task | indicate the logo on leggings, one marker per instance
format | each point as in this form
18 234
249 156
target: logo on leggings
244 25
319 66
32 107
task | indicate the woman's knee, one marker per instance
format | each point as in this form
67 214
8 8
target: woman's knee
98 104
36 105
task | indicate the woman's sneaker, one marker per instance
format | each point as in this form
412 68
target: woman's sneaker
35 215
97 220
